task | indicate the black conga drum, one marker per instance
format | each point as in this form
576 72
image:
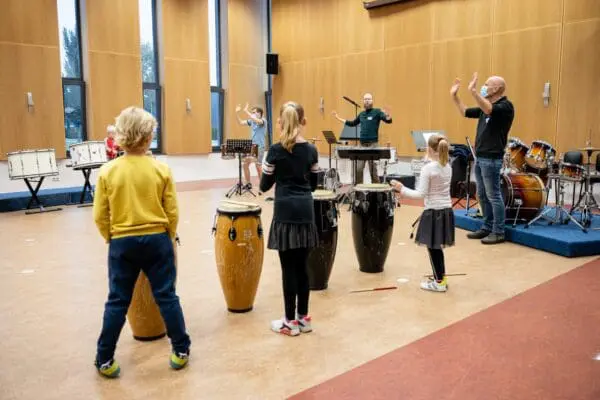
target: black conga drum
320 259
372 224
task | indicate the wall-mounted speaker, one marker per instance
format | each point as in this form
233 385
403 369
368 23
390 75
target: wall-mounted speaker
272 63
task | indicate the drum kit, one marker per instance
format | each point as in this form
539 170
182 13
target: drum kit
527 176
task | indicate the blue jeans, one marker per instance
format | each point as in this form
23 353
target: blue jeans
487 176
154 255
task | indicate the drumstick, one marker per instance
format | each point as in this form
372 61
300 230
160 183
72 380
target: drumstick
239 203
374 289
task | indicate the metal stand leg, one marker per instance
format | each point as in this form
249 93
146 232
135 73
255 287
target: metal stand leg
35 198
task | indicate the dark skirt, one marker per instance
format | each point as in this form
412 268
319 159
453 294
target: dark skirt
436 229
284 236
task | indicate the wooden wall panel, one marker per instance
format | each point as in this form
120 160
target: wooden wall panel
185 29
457 59
186 76
579 94
407 95
322 81
576 10
113 26
528 59
30 62
290 22
408 23
244 81
289 85
519 14
246 69
187 132
458 19
116 83
357 31
43 126
115 78
21 22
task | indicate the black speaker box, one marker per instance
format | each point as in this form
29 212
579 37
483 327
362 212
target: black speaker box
272 63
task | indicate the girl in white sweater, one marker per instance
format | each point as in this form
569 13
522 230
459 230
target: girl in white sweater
436 225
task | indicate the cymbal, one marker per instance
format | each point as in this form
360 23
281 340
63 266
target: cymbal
589 149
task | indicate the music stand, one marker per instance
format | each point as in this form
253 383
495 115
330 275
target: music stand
241 147
331 139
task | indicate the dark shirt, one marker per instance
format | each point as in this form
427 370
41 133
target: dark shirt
492 130
369 124
295 176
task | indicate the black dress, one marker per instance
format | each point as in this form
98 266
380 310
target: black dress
295 177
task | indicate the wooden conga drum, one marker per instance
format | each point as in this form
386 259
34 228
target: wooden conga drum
239 251
144 315
321 258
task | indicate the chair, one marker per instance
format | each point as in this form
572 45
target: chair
574 157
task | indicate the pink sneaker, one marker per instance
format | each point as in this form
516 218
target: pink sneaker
290 328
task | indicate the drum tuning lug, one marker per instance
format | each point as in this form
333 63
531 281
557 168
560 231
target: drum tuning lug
232 234
260 231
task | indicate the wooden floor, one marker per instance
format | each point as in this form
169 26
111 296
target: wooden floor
53 286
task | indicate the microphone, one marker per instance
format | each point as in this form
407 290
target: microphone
350 101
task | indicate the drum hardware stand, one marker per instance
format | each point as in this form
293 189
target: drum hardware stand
589 203
558 208
241 147
35 198
87 172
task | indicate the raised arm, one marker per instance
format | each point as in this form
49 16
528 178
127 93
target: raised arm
457 102
385 115
238 108
484 104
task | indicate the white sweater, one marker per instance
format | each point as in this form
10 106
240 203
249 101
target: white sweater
434 186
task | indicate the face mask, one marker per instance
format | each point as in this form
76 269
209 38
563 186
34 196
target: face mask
484 91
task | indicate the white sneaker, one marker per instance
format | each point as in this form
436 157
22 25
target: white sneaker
305 324
290 328
434 286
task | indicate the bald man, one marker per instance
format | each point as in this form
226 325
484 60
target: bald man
495 114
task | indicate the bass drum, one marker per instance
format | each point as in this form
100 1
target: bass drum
524 196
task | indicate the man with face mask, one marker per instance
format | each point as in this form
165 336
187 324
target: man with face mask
258 125
369 121
495 114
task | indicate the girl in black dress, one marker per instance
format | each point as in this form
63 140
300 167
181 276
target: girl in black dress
292 164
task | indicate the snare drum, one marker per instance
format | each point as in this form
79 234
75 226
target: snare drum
32 164
88 154
321 258
239 251
571 171
372 224
537 156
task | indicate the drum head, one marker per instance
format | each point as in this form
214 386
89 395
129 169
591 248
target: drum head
373 187
228 207
324 195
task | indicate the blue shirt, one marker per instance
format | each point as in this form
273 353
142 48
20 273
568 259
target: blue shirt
258 132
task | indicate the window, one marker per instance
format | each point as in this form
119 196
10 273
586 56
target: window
150 78
217 94
71 71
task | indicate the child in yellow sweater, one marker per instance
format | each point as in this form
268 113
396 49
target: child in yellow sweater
135 209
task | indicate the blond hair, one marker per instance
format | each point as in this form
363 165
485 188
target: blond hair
439 144
135 127
291 115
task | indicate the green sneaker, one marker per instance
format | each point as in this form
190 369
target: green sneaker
109 369
179 360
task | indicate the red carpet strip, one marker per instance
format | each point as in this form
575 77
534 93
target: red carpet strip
538 345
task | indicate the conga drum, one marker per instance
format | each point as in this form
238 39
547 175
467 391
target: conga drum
239 251
144 315
372 224
320 259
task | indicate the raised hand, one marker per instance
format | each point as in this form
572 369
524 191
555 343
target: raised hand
473 84
455 87
334 113
238 108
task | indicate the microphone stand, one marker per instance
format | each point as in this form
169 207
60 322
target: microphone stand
354 162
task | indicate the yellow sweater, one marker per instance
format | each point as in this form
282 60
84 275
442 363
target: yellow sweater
135 195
